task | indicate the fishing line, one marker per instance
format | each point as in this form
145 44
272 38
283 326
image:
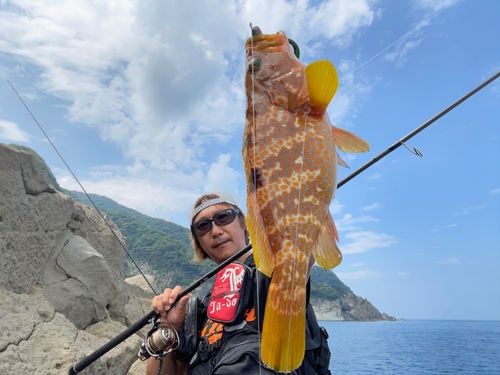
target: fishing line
403 37
297 233
255 182
81 186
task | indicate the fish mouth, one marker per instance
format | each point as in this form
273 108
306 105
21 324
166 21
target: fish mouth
267 42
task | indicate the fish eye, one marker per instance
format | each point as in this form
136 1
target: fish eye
255 64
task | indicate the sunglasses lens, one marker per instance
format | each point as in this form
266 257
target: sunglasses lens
221 218
225 217
201 227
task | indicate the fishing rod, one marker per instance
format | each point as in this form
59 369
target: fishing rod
152 315
80 366
87 361
402 141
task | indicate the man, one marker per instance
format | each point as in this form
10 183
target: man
218 230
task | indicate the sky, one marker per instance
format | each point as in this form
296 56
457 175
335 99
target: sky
145 101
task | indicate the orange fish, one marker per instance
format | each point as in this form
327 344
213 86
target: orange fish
291 168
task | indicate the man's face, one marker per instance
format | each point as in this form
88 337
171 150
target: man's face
221 242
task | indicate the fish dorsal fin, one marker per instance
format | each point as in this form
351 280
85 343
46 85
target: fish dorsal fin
348 142
341 162
322 84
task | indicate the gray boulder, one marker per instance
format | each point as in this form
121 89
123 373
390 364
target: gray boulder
62 290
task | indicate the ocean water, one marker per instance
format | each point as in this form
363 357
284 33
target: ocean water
414 347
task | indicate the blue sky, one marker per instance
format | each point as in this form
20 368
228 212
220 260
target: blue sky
145 100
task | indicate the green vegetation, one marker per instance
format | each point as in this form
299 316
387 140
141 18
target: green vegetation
326 285
177 231
161 253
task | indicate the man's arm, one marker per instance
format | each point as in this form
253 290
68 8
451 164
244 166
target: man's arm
175 316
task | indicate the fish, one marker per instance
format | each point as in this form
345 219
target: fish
290 159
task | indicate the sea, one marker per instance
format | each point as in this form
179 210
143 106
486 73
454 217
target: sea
414 347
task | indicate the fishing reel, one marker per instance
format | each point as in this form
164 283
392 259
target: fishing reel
159 341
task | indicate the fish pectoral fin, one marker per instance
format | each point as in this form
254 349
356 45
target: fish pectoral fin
348 142
341 162
262 254
322 84
325 250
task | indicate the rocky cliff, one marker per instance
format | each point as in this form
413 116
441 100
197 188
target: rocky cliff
62 290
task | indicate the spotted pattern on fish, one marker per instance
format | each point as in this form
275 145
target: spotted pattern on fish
291 167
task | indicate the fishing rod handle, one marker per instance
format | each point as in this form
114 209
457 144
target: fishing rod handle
87 361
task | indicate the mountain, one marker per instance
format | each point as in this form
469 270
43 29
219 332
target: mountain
163 249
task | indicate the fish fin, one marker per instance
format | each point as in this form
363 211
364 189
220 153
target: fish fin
262 254
322 84
341 162
283 332
348 142
325 250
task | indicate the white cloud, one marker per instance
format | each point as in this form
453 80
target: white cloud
349 223
403 273
433 5
336 207
371 207
374 176
364 241
364 274
357 265
414 37
149 81
352 91
160 195
221 176
451 225
449 261
10 132
4 72
495 191
163 79
470 209
400 55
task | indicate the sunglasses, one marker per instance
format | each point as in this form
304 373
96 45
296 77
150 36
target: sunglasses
221 218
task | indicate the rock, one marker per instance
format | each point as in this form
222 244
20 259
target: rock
61 270
32 216
347 307
138 368
389 318
46 239
358 309
139 303
327 310
35 339
128 349
83 263
141 287
74 301
19 314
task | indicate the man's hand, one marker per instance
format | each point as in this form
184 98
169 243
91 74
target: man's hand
162 305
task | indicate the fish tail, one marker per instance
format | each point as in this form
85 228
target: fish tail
325 250
283 334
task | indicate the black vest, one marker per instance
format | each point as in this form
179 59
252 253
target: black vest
215 348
